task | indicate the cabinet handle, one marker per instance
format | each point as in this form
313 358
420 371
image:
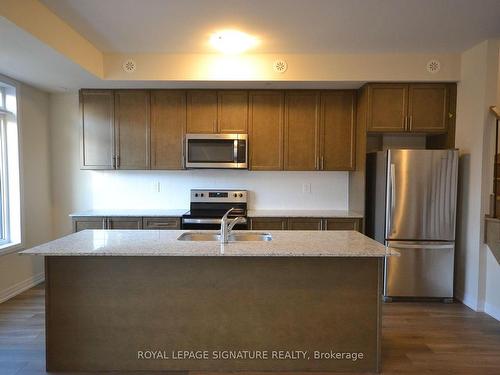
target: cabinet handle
104 223
406 122
411 121
114 162
117 161
322 163
316 163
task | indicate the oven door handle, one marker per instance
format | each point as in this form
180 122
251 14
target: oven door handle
206 221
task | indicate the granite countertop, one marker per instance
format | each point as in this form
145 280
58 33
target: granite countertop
251 213
304 213
165 243
178 212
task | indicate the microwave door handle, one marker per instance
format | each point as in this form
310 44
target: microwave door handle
235 150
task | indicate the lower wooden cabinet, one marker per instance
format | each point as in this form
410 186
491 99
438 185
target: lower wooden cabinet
87 222
124 222
268 223
161 223
343 224
306 223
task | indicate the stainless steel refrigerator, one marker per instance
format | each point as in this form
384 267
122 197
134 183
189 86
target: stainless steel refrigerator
411 199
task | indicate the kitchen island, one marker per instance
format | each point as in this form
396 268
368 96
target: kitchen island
143 300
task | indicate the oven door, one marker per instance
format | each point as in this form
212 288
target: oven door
208 224
216 151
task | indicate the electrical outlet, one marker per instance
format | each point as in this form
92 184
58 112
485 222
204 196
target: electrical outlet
306 188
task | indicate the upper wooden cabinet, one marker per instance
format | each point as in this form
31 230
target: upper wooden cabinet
266 130
428 108
417 108
338 132
387 107
302 130
201 111
97 121
211 111
232 111
168 122
132 129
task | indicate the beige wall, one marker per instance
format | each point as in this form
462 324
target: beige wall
477 90
19 272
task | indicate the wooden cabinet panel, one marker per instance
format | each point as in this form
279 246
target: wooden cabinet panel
338 131
343 224
233 111
124 223
132 129
387 107
301 223
96 138
301 130
161 223
428 108
268 223
168 121
86 222
266 130
201 112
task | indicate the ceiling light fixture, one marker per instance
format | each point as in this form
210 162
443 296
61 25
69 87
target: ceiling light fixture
232 41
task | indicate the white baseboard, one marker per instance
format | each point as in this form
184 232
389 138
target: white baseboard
466 300
20 287
493 311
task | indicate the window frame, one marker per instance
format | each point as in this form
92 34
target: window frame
4 184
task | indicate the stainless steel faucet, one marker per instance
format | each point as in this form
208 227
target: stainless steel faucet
226 225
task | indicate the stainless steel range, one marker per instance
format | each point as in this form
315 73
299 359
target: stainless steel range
208 206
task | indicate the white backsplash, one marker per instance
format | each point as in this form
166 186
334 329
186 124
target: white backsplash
268 190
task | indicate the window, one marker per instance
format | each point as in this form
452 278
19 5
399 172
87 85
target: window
10 218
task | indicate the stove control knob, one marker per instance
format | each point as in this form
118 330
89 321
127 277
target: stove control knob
235 195
196 194
241 195
202 194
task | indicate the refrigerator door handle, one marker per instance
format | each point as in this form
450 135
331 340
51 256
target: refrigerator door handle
413 245
391 192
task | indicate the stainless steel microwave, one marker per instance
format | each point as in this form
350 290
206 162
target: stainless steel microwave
216 151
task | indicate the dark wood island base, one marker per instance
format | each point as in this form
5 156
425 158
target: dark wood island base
214 313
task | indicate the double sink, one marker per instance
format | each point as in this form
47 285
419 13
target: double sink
232 237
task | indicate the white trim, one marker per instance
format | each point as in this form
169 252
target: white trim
467 300
21 286
492 311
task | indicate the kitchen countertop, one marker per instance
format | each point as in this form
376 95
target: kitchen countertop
251 213
132 212
304 213
165 243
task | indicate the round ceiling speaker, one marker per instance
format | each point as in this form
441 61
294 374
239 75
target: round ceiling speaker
280 66
129 66
433 66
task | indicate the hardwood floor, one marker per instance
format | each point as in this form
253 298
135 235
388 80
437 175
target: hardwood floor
418 338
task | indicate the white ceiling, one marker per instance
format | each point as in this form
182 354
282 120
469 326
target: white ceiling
287 26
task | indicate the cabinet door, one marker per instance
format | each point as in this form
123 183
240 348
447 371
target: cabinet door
132 129
301 131
168 121
387 107
201 112
96 137
125 223
266 130
161 223
268 223
428 108
343 224
233 111
86 222
337 131
301 223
